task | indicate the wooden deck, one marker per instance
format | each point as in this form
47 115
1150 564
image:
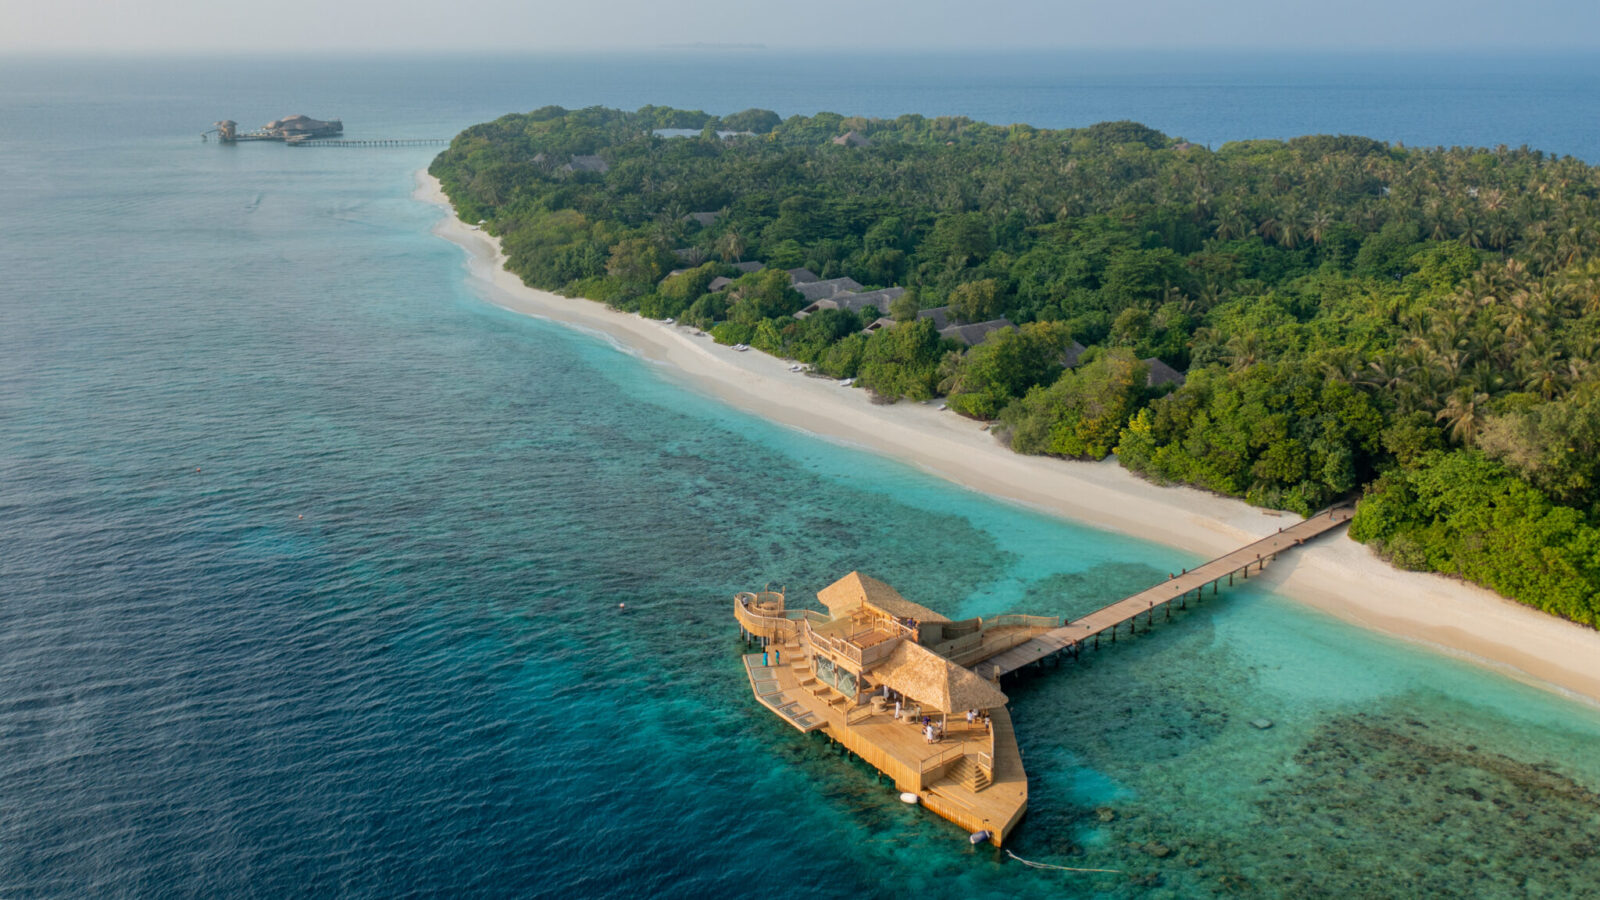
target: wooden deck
944 774
1177 589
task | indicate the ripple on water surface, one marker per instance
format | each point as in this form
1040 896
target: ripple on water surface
312 564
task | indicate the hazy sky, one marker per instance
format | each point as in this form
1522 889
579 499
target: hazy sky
505 25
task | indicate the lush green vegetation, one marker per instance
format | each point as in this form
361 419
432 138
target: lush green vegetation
1352 316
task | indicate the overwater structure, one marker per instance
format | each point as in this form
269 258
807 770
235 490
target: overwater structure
888 679
289 129
877 672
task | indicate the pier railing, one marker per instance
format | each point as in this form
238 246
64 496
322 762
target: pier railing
939 760
1020 619
777 623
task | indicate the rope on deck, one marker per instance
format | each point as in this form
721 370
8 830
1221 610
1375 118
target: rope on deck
1040 865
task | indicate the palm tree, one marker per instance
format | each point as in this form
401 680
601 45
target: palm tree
1317 226
1541 373
1243 350
732 246
1463 415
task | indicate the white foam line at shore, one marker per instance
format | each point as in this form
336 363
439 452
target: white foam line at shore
1333 574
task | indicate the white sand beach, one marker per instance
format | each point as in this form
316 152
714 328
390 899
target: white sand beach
1333 574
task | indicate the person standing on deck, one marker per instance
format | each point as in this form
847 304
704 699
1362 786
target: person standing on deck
897 710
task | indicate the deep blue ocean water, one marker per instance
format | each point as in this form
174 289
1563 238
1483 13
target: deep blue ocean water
310 559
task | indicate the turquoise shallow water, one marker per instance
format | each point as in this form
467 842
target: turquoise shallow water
310 563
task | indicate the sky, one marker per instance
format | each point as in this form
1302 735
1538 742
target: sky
370 26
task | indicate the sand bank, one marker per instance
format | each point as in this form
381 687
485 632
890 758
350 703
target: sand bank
1335 574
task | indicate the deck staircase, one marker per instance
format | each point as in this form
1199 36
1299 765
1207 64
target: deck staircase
967 773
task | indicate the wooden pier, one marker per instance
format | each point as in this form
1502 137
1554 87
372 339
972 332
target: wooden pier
1072 636
395 142
833 675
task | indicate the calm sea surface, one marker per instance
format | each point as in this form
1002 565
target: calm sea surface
310 559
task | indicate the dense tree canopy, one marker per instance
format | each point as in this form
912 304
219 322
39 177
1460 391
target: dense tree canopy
1349 313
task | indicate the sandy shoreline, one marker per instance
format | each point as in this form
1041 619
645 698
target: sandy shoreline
1335 574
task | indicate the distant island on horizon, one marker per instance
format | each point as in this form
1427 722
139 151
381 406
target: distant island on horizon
1289 322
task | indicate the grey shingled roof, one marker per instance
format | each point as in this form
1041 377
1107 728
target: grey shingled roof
821 290
718 283
853 302
1161 373
801 276
1072 354
706 219
977 332
939 314
587 164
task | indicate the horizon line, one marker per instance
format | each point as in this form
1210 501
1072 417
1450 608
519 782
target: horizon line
1489 50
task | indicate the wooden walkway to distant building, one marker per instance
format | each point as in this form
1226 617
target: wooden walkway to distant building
1071 636
398 142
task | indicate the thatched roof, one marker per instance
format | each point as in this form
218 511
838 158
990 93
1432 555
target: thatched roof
1073 354
801 276
934 681
587 163
288 126
939 314
1161 373
854 302
855 589
821 290
977 332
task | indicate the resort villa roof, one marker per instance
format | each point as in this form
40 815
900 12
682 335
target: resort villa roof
977 332
292 126
802 276
587 163
852 139
1070 357
934 681
853 302
822 290
718 283
939 314
856 589
1161 373
704 219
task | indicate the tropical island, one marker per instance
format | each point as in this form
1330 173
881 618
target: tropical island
1290 323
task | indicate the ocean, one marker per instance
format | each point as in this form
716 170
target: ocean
311 559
